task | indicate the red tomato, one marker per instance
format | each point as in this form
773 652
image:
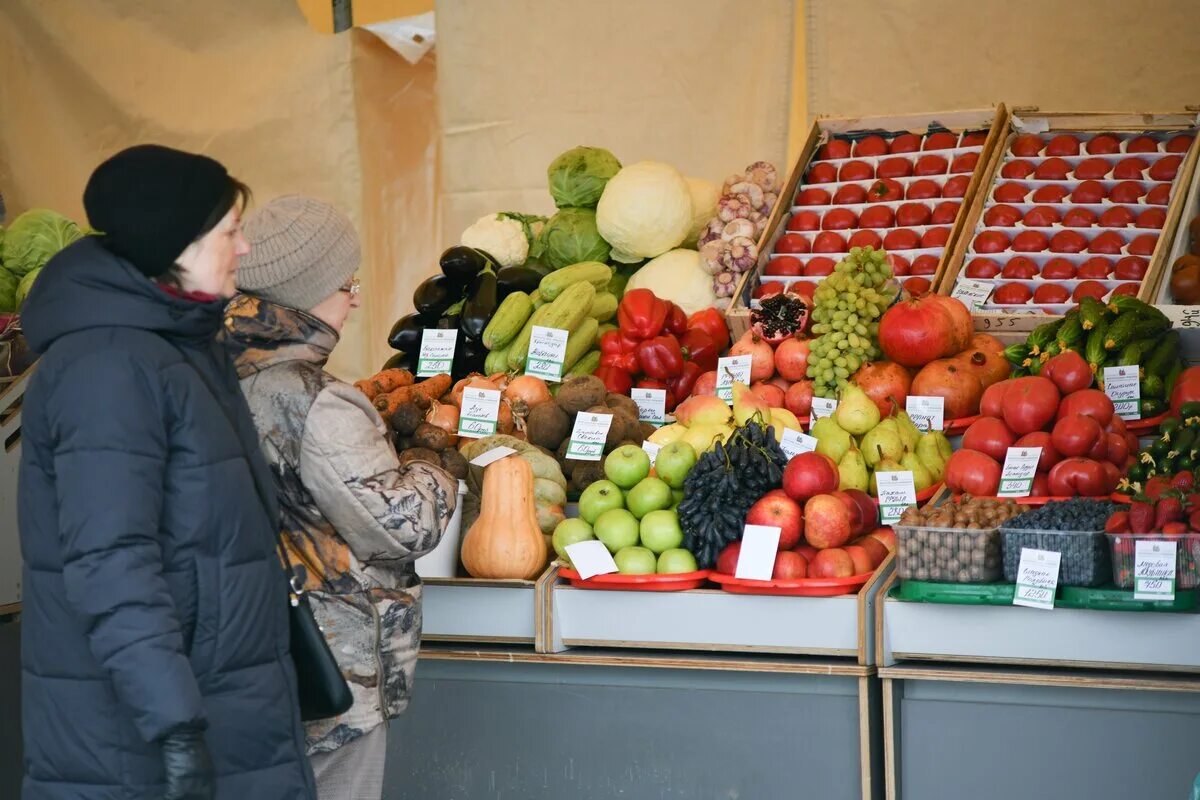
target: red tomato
885 190
1027 144
1160 195
877 217
1092 169
1127 192
1083 477
905 143
1144 244
871 146
784 265
819 266
1020 268
917 286
812 196
964 163
955 187
1041 217
769 289
1079 218
1104 144
850 195
989 436
1116 217
829 242
991 242
1063 145
1001 216
1130 289
865 238
926 189
835 148
1012 294
1069 372
822 172
1011 192
856 171
931 165
1108 243
1142 144
942 140
926 264
945 213
1054 193
1151 218
901 239
973 472
911 214
839 219
1068 242
803 289
1050 294
973 139
1095 268
792 243
1131 268
1089 402
1129 169
1017 169
1179 144
1052 169
1165 169
982 268
1030 242
1088 192
1076 435
898 263
804 221
935 237
894 168
1089 289
1029 404
1058 269
1041 439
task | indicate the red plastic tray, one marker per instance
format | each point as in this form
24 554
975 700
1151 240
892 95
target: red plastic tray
677 582
951 427
793 587
1117 497
1145 425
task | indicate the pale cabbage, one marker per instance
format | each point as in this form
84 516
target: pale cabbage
704 206
678 276
646 210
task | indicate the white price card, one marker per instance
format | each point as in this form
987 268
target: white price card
652 405
927 413
794 443
821 407
756 560
437 352
1154 570
591 558
1124 388
896 493
1020 468
651 450
1037 578
730 369
973 294
495 454
588 435
480 411
547 351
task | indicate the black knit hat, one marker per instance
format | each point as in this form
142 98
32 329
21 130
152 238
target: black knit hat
150 202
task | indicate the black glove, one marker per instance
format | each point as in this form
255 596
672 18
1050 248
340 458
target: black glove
188 767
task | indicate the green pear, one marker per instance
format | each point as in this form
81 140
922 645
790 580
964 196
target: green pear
883 442
856 412
852 470
909 432
934 451
886 465
922 478
832 441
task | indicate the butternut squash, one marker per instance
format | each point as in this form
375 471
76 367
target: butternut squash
505 541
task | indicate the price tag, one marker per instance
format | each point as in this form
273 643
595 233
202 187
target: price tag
480 411
756 560
495 454
547 351
651 450
794 443
821 407
437 352
1020 467
1182 316
928 413
587 438
730 369
652 405
1154 570
591 558
896 493
1124 388
1037 578
973 294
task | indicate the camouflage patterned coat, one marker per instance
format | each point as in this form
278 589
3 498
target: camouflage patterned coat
352 518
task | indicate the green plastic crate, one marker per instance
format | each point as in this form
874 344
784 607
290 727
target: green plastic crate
1110 598
963 594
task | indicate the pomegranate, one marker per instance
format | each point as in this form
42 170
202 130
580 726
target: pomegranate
959 388
791 358
986 365
769 393
987 343
960 316
989 436
915 332
887 384
762 357
798 398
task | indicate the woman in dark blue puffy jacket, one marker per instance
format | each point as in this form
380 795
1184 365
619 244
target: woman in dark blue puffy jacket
154 630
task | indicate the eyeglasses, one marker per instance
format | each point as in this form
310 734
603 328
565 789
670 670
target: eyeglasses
353 288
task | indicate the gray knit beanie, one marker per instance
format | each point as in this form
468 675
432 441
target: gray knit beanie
302 250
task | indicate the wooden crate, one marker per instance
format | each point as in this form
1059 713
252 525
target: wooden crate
482 611
12 394
1032 119
994 119
1184 316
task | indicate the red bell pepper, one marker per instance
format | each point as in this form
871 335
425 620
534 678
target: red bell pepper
698 347
710 321
617 351
670 399
616 380
641 315
677 320
660 358
626 362
682 385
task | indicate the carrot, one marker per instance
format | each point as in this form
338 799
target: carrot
430 388
389 380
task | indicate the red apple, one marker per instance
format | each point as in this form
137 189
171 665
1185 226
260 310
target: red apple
831 563
807 550
810 474
861 559
826 521
925 189
727 559
866 512
784 265
778 510
886 537
706 384
876 550
789 566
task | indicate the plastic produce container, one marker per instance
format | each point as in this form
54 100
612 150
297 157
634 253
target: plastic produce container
1085 554
948 555
1187 558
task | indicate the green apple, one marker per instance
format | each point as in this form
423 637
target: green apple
676 498
617 528
660 531
650 494
675 561
570 531
627 465
674 462
635 561
597 498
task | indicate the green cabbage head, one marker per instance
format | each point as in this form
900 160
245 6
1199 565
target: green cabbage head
34 237
25 285
578 176
569 237
8 291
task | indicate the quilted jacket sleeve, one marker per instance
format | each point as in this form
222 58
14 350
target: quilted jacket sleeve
385 512
109 459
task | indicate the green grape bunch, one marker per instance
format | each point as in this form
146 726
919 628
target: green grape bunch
847 308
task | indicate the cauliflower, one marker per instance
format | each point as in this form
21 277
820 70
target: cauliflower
501 236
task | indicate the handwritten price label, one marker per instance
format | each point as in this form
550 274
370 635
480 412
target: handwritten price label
652 405
587 438
1154 570
928 413
896 493
729 370
547 351
1124 388
480 411
1037 578
1020 467
437 352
